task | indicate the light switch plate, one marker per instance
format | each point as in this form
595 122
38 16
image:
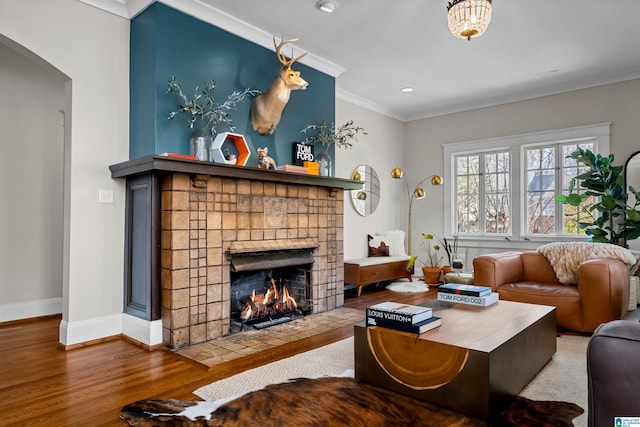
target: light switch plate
105 196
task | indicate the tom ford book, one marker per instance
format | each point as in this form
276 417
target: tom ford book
401 313
418 328
460 289
466 299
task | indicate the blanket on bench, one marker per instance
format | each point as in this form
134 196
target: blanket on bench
565 257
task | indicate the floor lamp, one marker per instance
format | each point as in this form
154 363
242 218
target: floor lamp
417 193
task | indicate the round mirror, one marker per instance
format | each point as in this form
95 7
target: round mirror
365 201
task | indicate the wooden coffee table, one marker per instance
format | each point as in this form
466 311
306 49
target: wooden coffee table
473 363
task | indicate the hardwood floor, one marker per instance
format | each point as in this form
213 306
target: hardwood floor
41 385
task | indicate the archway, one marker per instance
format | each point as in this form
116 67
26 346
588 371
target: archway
32 171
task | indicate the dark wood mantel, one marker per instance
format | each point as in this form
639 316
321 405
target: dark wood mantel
162 164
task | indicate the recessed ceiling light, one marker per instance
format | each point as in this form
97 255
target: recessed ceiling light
406 89
326 6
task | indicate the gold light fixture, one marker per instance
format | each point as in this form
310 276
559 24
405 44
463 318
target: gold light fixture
469 19
417 193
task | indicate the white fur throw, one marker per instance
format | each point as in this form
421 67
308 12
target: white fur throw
565 257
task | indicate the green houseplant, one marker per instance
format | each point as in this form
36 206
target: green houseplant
432 265
609 217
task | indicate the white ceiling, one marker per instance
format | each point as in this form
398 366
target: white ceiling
375 47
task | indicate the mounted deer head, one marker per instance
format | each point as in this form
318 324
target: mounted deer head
266 108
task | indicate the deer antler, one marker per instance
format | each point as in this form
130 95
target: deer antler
283 59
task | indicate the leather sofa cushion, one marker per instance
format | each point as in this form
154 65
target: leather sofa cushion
536 268
565 298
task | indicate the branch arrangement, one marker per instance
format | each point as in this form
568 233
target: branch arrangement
203 108
327 135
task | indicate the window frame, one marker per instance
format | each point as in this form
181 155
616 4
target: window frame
515 144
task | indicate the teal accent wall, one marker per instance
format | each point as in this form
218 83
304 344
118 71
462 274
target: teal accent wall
166 42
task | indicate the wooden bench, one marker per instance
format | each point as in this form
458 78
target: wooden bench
366 271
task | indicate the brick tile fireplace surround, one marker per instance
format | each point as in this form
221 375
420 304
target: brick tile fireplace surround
207 209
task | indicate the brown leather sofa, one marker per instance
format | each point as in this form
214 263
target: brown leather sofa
601 294
613 369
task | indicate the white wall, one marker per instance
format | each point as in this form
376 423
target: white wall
31 190
618 103
92 48
381 148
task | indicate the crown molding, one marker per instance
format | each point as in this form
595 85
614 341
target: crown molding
207 13
368 104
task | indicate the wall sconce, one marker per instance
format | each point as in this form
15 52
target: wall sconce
417 193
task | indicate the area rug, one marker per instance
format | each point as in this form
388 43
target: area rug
557 394
404 285
332 401
334 360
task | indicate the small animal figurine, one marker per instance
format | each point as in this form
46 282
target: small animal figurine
264 161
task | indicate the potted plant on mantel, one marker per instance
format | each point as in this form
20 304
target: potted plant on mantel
609 217
205 115
328 135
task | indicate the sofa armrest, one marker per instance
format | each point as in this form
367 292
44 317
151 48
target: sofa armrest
497 269
603 284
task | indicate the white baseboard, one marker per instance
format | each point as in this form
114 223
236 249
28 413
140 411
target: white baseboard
79 331
144 331
29 309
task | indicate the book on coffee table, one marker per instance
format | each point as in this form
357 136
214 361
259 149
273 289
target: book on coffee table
467 299
461 289
401 313
417 328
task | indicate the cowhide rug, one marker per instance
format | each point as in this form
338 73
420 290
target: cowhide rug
333 401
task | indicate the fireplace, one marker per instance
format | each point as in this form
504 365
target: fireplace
191 224
264 298
270 287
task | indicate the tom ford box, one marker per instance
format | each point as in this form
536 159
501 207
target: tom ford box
302 153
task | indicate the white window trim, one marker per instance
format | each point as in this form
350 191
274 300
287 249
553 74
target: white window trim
514 143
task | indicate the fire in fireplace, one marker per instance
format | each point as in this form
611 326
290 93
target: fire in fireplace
268 297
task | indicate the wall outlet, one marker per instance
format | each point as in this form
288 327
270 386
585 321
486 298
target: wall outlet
105 196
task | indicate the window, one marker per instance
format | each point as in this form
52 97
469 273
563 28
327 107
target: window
505 188
491 172
549 173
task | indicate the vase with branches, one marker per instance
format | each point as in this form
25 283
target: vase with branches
204 114
328 135
450 248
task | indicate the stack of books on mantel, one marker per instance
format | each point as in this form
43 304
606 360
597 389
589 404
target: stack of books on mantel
467 294
402 317
293 168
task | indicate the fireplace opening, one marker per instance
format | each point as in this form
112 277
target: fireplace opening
270 296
